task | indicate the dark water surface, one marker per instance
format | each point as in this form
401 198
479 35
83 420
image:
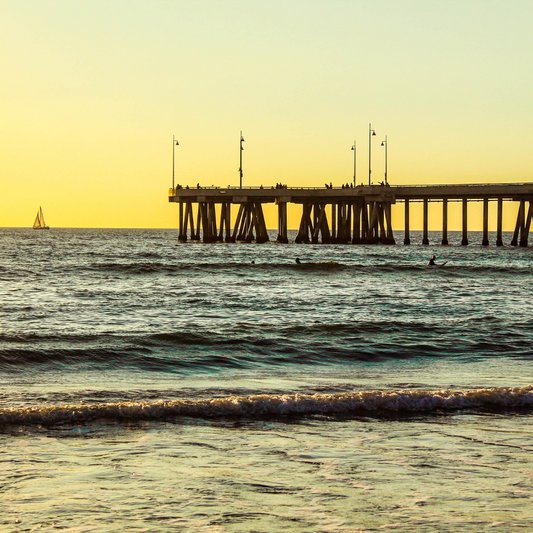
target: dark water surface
153 386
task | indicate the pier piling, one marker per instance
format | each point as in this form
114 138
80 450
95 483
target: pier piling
445 222
499 223
406 239
464 240
425 236
485 241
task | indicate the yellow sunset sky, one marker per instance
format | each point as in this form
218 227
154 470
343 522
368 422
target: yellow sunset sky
93 91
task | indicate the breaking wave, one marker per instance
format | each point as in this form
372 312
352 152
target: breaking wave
277 405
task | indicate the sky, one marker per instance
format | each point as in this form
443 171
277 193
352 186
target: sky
93 92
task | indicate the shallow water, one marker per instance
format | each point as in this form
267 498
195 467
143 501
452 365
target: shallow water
153 386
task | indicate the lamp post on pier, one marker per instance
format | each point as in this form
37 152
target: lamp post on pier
385 144
174 144
240 166
354 148
371 132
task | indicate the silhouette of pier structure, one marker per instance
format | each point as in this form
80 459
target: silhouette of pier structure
356 215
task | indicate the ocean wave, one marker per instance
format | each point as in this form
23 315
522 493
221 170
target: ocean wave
277 405
147 267
154 267
252 345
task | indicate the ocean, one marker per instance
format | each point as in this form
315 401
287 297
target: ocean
153 386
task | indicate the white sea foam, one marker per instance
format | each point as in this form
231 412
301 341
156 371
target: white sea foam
258 406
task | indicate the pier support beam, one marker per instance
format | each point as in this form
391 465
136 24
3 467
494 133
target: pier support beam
182 235
406 239
321 226
364 222
387 208
199 219
204 220
343 224
445 222
523 224
372 233
306 224
188 219
523 240
334 232
314 224
379 229
254 225
212 233
499 240
355 221
485 241
225 223
520 223
464 241
356 238
191 222
261 233
425 236
282 223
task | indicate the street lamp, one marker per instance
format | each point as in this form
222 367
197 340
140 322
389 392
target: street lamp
370 133
385 144
240 167
354 148
174 144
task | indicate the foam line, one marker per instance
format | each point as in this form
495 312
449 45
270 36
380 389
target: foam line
256 407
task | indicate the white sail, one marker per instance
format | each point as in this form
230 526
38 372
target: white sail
39 220
43 225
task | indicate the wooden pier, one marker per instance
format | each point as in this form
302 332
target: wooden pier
358 215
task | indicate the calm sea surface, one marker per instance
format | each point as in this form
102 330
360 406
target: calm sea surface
151 386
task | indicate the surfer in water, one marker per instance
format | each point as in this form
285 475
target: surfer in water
298 261
431 262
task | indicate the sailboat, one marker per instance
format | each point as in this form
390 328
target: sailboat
39 220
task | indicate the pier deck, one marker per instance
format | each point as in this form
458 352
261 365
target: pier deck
357 215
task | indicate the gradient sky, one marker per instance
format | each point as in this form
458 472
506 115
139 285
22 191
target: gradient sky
93 91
